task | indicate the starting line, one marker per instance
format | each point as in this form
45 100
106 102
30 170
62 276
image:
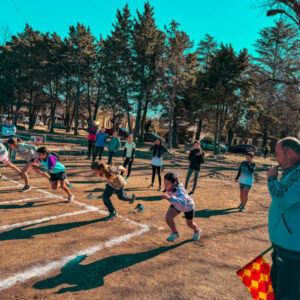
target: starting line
42 270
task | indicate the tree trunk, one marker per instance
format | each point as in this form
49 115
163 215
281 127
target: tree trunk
199 128
141 137
230 136
174 133
77 108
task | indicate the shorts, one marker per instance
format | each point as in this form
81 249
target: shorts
188 215
58 176
245 186
4 158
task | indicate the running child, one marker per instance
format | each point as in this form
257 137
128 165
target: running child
158 151
28 153
115 183
245 177
4 159
56 169
180 202
128 155
196 158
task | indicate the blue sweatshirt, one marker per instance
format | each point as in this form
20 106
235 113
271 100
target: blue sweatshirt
9 131
101 139
284 213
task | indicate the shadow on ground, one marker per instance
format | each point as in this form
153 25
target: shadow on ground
207 213
86 277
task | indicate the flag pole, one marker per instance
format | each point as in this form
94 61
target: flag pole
266 251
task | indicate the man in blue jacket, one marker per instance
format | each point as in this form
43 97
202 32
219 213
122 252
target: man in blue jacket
284 220
100 143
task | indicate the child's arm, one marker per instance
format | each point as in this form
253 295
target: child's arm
51 163
239 173
12 166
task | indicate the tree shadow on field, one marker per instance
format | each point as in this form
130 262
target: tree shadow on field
207 213
86 277
96 190
29 204
23 233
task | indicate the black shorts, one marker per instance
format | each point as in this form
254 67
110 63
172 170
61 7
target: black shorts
188 215
58 176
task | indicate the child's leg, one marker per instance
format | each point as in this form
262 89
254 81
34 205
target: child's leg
106 198
64 187
189 173
158 174
24 172
123 196
153 173
195 179
171 214
241 196
129 168
245 197
191 224
54 184
126 161
95 153
100 152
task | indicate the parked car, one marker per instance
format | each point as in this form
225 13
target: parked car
209 145
243 149
151 137
122 132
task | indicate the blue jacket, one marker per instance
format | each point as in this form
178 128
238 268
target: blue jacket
101 139
284 213
9 130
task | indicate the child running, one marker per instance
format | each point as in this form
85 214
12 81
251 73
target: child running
128 155
28 153
180 202
196 158
56 169
245 177
115 183
157 160
4 159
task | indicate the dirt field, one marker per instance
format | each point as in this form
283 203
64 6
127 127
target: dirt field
54 250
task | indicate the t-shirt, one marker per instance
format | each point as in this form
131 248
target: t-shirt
3 150
26 151
246 172
53 165
9 130
129 148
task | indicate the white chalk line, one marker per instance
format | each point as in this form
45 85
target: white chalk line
46 219
27 199
17 184
41 270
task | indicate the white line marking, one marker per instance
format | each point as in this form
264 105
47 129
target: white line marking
17 184
39 271
27 199
5 227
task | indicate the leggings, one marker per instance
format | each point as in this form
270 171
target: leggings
129 163
99 150
154 168
91 148
190 171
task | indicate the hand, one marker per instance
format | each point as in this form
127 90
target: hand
130 159
198 154
165 196
273 172
236 181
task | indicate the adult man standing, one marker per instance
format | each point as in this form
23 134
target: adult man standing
284 220
9 130
92 130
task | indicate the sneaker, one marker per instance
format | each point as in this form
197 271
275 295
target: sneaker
111 215
70 198
196 235
150 186
242 208
191 193
173 237
126 179
26 188
132 199
159 188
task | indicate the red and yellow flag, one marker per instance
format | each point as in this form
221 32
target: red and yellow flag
256 277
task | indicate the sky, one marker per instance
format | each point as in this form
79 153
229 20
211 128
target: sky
235 22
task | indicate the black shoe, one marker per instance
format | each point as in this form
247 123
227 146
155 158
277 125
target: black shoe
150 186
159 188
191 193
132 199
111 215
26 188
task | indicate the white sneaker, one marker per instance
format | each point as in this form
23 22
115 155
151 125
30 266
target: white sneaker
70 198
173 237
196 235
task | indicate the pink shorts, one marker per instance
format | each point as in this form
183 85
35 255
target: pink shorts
4 158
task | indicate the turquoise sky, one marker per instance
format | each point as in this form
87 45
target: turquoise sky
229 21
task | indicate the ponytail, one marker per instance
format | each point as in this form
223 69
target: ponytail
45 150
104 168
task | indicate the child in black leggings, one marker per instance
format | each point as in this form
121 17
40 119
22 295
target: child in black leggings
128 155
157 157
